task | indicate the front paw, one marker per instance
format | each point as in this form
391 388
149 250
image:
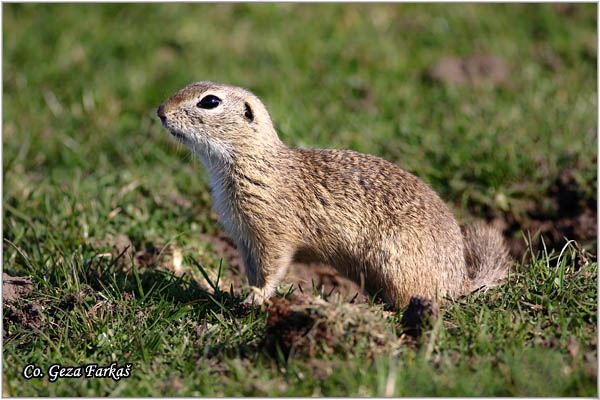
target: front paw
257 297
253 300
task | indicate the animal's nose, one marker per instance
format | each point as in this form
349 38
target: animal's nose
161 113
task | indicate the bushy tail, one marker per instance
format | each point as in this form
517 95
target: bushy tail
486 256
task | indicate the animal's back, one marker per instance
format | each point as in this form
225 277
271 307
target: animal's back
368 217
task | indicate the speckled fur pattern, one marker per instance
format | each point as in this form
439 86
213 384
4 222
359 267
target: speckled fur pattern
374 222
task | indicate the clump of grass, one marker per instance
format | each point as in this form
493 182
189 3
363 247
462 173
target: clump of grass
482 344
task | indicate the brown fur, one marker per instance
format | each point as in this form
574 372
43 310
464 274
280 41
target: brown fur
374 222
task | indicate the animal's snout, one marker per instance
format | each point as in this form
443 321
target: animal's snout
160 111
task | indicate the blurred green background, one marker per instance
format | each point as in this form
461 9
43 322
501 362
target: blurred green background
86 159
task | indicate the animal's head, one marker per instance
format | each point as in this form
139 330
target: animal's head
217 121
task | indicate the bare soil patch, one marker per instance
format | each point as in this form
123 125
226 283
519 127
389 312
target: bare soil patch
287 328
28 315
302 276
152 256
15 288
306 325
16 309
473 70
567 215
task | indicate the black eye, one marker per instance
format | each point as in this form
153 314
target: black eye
209 102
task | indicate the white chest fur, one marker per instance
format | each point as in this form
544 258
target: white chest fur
223 197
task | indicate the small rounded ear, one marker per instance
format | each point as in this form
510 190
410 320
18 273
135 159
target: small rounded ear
248 113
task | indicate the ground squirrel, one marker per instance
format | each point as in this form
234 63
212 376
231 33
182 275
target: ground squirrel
374 222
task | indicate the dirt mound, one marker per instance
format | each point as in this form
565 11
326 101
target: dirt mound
28 315
289 328
306 325
16 310
15 287
568 214
473 70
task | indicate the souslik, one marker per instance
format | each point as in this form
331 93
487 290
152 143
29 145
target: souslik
374 222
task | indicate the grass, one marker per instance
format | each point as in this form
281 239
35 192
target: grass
85 160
